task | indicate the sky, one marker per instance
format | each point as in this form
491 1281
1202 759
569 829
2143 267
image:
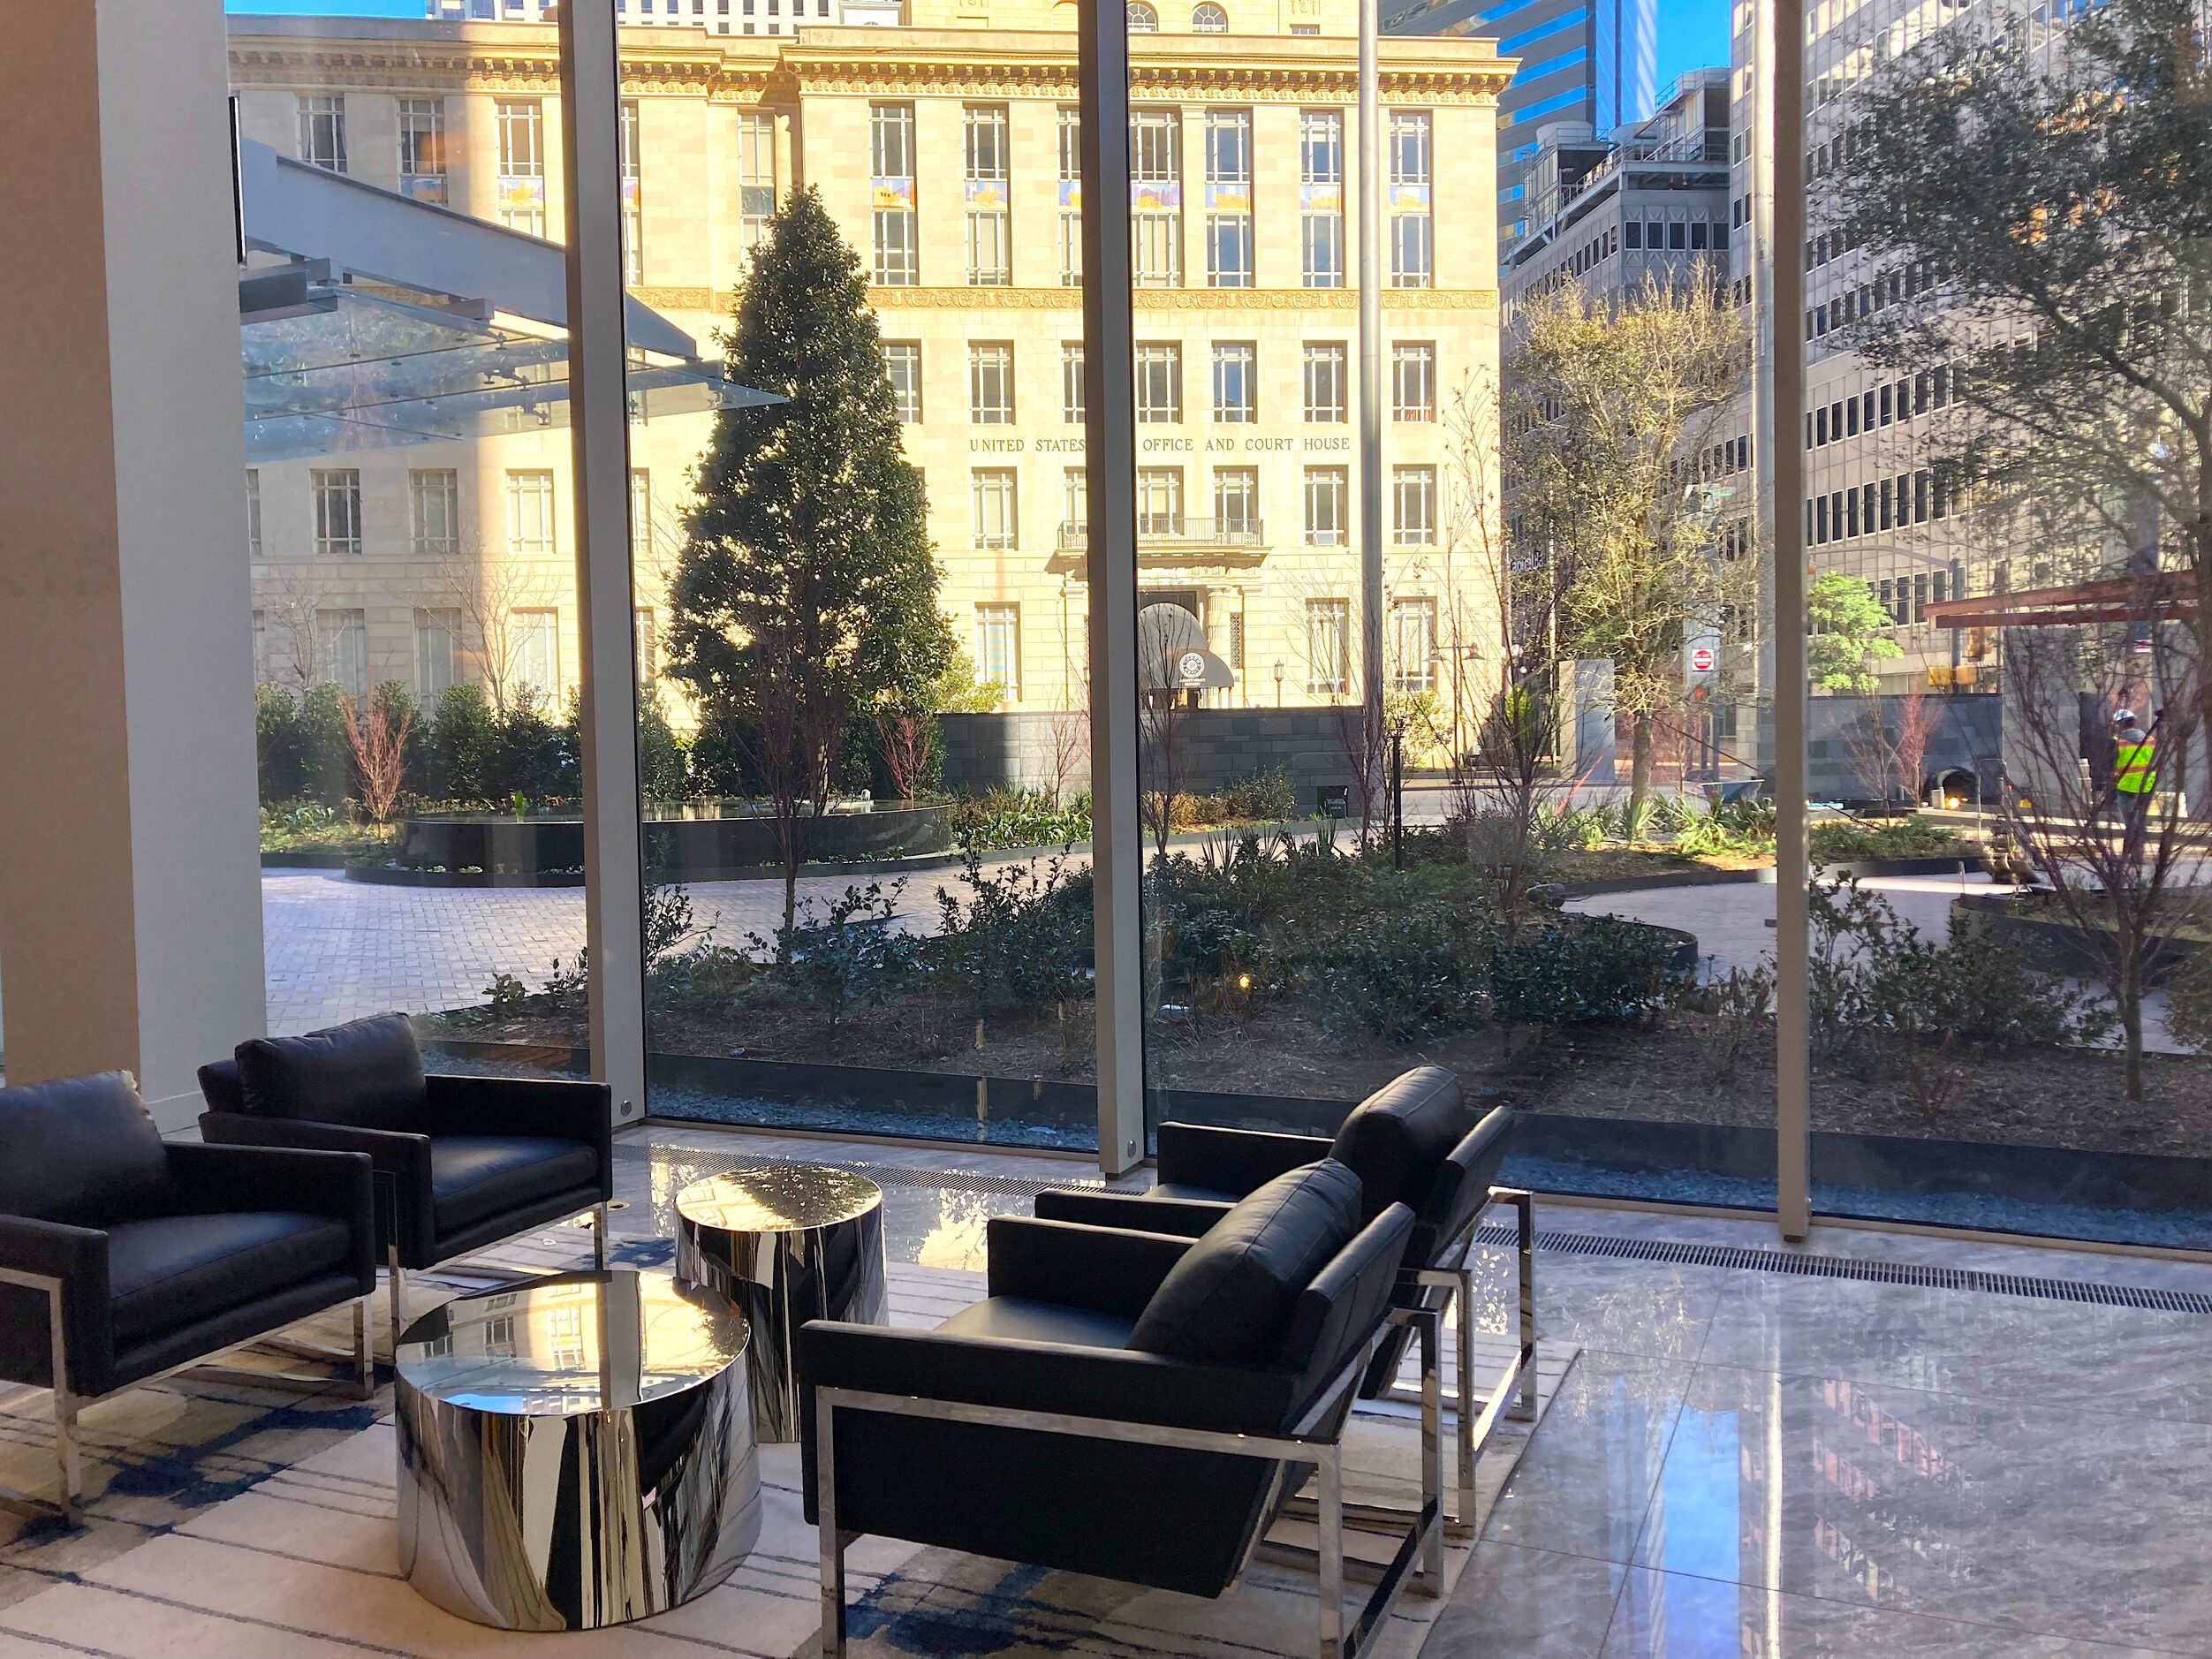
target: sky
1692 33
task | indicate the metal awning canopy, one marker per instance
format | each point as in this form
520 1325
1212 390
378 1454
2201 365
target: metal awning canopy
391 322
2168 598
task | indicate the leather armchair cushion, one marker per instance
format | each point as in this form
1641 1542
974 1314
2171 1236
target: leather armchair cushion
175 1270
1021 1319
475 1177
1191 1191
1229 1301
80 1150
1396 1138
1463 1184
366 1075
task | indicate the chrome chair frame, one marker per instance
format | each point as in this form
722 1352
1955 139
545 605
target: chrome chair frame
1423 1539
67 1402
388 1202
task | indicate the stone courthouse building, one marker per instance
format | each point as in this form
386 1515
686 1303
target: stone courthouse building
943 140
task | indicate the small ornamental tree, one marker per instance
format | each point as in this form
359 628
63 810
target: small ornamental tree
1851 633
807 593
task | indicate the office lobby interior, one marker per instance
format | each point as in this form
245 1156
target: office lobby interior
1045 1124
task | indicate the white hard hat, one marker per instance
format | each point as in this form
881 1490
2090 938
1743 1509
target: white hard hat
2125 717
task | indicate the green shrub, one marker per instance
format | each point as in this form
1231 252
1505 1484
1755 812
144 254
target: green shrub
1400 975
1013 818
279 745
1022 939
534 753
464 737
326 754
847 954
664 777
1853 841
2189 1001
1581 967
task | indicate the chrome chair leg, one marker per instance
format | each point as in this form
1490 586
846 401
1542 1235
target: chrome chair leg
1524 1407
832 1543
364 1352
399 1299
1330 1527
71 1470
1462 1523
1431 1576
599 1237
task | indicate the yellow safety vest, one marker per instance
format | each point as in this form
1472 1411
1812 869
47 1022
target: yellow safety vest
2133 769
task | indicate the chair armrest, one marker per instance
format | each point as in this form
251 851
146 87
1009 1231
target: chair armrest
405 1158
231 1177
1234 1161
77 1256
1116 1383
1185 1217
1103 1269
560 1109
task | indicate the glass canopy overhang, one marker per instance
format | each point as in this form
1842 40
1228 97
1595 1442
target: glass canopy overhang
385 322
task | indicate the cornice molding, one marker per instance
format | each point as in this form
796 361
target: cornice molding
1070 299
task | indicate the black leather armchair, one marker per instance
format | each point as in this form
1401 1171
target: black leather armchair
123 1258
461 1161
1410 1143
1021 1426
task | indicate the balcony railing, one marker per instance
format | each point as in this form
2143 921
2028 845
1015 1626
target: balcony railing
1176 530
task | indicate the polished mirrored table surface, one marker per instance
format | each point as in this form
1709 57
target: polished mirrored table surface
778 1198
571 1342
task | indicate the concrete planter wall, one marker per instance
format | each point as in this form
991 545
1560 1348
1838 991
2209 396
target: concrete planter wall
2059 947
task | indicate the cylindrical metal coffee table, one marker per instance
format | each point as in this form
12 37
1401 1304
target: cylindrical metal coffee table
575 1452
783 1244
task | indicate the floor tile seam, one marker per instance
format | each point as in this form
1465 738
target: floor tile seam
2083 1408
1911 1613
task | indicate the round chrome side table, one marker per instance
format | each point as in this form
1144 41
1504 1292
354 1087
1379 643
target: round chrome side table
574 1451
783 1244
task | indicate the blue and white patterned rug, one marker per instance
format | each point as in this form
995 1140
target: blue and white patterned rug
235 1523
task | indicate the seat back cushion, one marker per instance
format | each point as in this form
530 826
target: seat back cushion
80 1150
219 1087
1463 1184
366 1075
1229 1299
1337 1313
1396 1139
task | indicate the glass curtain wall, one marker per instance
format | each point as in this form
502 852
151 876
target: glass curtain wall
860 582
408 517
2011 971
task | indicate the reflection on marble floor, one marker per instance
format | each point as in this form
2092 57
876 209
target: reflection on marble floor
1758 1463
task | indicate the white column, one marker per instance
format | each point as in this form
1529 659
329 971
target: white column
600 431
1110 441
130 897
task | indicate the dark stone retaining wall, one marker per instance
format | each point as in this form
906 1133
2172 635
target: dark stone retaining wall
1216 746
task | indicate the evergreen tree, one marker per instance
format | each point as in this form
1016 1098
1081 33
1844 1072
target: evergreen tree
1851 633
807 592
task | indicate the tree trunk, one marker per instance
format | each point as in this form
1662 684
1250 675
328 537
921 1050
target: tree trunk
791 890
2132 1026
1639 761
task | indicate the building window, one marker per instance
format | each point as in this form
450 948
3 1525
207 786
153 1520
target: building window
253 512
990 253
645 642
437 635
1414 382
901 366
1160 501
1325 524
342 640
1412 644
1236 501
434 512
1413 506
991 497
1412 252
632 194
756 176
1142 20
898 257
640 517
322 133
1155 197
999 648
422 149
530 514
1071 197
1159 385
1321 188
537 657
1075 506
1328 646
1237 383
1208 19
1325 378
1229 198
991 384
1072 408
338 512
521 124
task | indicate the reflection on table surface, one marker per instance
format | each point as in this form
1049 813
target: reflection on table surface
778 1198
570 1344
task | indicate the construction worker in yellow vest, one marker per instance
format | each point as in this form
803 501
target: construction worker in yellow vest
2134 778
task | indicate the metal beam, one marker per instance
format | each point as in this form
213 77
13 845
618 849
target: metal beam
1110 562
1370 150
599 427
1778 133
